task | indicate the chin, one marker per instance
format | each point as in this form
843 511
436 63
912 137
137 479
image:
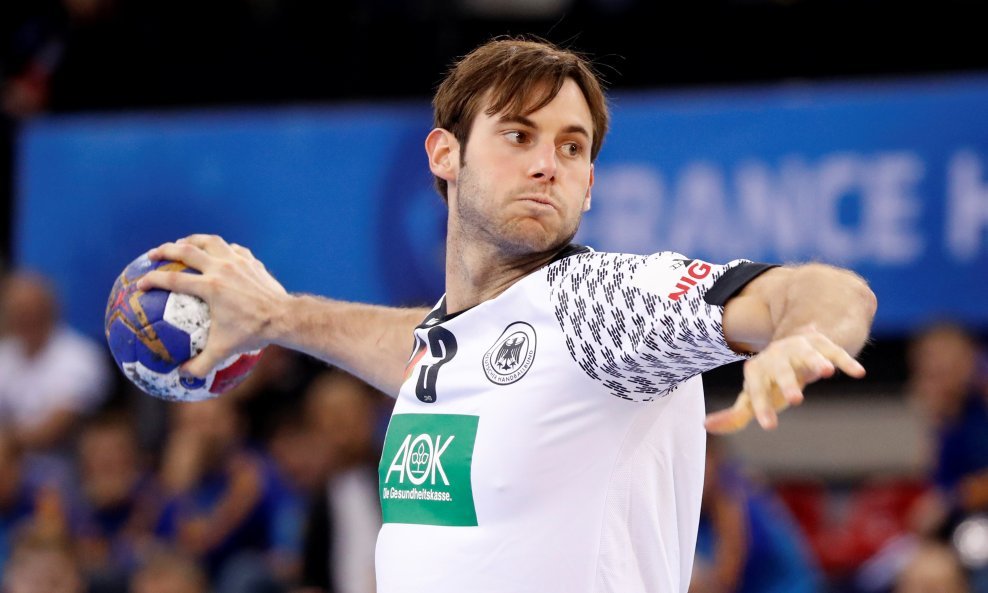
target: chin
529 237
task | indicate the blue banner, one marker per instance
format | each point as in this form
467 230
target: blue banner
889 179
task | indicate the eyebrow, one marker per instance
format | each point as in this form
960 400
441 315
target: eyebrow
521 119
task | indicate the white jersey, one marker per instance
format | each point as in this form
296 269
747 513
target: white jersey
70 373
551 439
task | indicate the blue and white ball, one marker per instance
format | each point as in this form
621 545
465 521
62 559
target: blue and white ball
152 333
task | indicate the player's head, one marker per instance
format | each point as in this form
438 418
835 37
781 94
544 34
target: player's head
514 77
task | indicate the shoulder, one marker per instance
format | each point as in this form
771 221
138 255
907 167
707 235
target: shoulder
66 340
666 275
589 264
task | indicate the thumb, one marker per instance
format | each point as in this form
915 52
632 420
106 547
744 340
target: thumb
200 365
727 421
731 419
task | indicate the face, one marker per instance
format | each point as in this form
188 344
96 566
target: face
27 312
214 419
942 367
213 423
108 459
524 180
341 409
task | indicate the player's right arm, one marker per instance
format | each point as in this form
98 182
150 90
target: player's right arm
250 309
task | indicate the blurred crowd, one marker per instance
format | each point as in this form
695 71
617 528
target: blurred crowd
272 488
923 533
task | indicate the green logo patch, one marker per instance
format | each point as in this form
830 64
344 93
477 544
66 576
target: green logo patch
425 470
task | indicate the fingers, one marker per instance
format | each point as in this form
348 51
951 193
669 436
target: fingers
180 282
196 285
789 387
772 384
242 251
747 407
205 361
211 244
202 252
839 357
775 378
240 292
732 419
194 250
758 387
180 251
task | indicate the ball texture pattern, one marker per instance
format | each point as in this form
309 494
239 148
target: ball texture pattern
151 333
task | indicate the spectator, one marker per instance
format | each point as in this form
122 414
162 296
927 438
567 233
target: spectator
225 500
344 516
25 506
747 543
301 456
50 376
118 502
16 496
944 381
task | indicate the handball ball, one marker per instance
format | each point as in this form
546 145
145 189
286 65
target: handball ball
152 333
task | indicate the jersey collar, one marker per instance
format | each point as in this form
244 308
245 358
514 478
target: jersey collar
438 314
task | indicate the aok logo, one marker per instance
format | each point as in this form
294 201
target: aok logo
425 470
419 460
698 270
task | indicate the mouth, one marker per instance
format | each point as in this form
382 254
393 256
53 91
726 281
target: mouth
538 199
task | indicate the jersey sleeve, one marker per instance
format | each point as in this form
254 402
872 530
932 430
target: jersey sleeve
641 325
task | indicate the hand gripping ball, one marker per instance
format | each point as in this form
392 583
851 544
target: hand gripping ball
152 333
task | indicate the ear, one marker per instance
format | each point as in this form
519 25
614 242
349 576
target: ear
443 151
586 200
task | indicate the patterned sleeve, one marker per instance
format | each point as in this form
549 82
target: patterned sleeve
641 325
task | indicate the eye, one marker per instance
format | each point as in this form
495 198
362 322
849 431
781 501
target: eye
572 149
517 136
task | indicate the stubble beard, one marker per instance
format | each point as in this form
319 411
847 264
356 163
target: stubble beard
510 236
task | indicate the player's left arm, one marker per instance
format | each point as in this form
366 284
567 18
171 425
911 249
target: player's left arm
805 322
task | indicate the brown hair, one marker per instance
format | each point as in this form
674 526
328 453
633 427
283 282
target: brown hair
522 76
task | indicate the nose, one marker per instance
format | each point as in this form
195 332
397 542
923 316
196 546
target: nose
543 167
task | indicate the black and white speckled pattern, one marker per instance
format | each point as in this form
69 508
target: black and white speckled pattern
624 331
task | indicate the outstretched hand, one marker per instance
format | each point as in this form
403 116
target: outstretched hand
774 379
242 295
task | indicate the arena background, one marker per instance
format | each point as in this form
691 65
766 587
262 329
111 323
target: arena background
854 133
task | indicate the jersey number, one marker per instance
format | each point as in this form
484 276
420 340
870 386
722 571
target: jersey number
442 346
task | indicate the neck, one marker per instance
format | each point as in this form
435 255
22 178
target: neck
477 271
